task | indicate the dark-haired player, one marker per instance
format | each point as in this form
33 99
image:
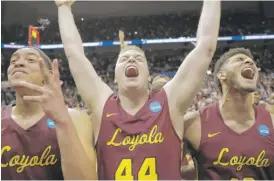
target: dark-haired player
234 139
41 138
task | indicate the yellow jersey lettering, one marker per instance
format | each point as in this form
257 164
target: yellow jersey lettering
24 161
240 161
33 161
153 137
218 162
5 148
14 160
143 139
111 142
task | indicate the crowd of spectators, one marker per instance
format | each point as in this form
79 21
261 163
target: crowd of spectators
161 26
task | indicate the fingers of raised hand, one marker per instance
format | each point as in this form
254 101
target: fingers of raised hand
64 2
32 87
55 71
45 71
33 98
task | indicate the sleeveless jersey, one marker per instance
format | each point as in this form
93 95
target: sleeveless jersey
226 155
140 147
31 154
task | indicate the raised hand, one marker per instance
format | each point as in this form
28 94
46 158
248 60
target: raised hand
50 95
64 2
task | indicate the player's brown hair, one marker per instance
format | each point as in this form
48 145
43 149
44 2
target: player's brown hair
154 87
161 76
43 56
223 59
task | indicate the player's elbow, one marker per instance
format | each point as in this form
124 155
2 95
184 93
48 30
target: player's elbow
207 45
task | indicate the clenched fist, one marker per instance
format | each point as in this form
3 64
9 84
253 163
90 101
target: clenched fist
64 2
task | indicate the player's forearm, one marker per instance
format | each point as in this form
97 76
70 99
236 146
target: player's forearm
208 28
70 36
76 164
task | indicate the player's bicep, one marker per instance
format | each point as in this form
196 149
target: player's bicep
192 128
186 83
91 87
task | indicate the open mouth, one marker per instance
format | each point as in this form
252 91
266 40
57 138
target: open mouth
22 72
131 71
247 73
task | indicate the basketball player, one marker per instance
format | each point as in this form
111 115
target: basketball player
134 130
234 138
41 138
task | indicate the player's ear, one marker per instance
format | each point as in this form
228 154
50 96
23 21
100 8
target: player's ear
221 75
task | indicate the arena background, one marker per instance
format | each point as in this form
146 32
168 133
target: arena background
100 21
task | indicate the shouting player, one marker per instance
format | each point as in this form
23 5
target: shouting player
41 138
234 138
134 130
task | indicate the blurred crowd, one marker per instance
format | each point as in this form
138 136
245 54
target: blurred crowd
161 26
146 27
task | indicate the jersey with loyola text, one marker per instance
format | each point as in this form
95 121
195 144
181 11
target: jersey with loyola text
31 154
140 147
227 155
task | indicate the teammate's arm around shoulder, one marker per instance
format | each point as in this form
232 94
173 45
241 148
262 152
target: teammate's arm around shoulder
192 128
81 162
182 89
92 89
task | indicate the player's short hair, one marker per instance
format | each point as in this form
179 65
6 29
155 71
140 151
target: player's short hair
154 87
124 47
42 54
167 78
223 59
131 47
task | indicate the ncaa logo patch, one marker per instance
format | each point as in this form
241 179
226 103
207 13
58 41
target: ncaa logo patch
263 130
155 107
51 124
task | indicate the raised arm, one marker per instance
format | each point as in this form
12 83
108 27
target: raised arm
182 89
92 89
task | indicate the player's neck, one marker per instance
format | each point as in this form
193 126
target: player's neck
26 108
237 106
132 102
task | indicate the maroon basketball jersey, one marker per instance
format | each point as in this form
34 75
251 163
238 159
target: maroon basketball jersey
31 154
140 147
226 155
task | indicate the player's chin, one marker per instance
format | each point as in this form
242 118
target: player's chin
249 88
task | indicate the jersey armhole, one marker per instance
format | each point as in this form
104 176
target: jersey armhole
102 120
202 130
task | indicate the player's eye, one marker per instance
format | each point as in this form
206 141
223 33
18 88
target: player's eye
13 61
31 60
240 59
